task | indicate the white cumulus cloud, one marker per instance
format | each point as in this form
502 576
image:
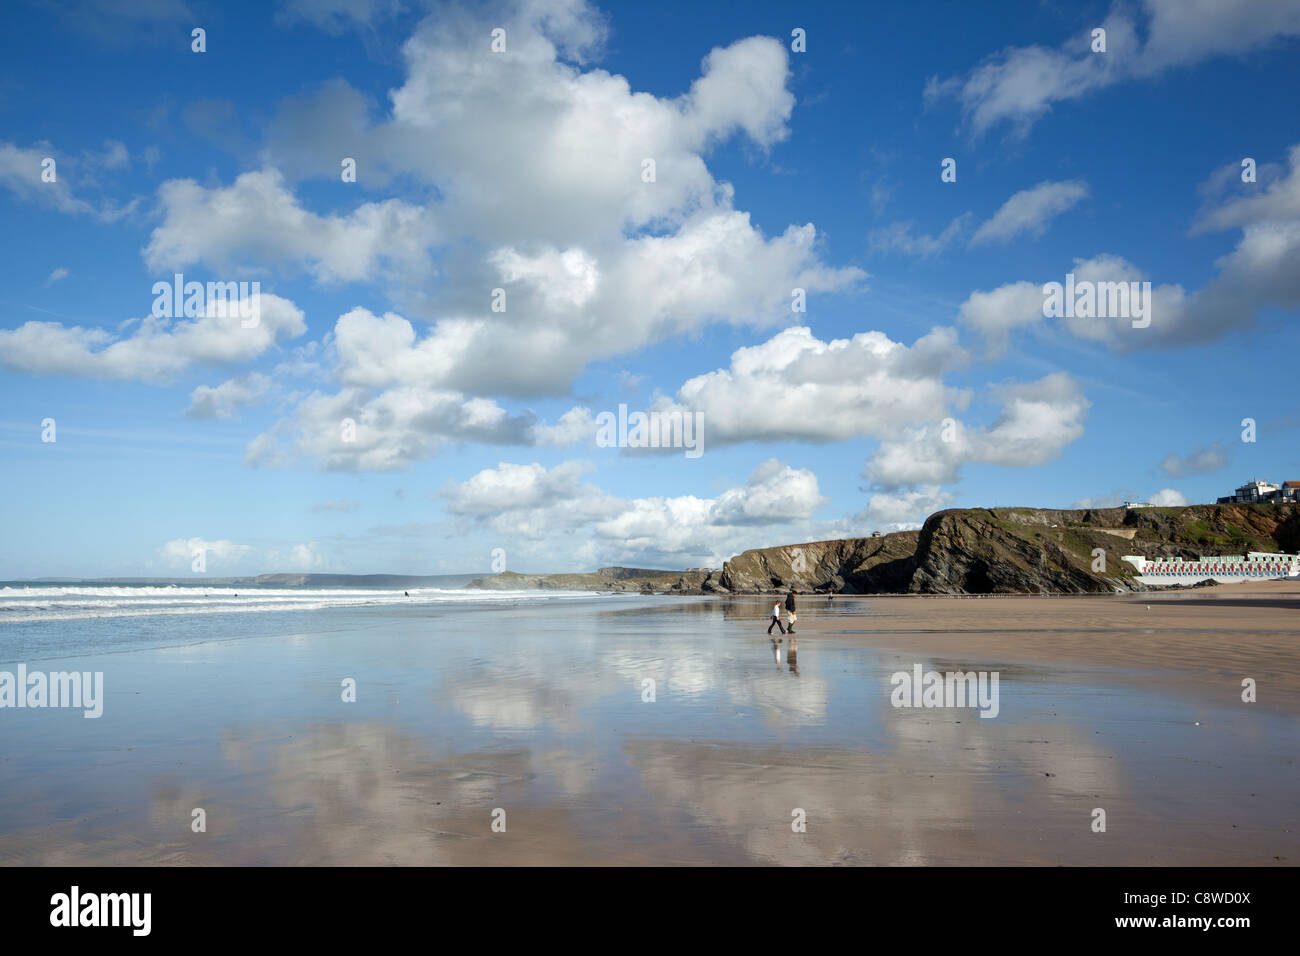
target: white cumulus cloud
156 350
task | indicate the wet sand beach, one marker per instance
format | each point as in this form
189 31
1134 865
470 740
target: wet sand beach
1202 640
544 713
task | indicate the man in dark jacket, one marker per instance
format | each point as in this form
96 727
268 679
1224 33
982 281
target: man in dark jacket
789 609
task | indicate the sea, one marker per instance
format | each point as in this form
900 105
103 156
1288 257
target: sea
69 619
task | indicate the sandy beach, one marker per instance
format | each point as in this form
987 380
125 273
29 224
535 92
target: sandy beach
1202 641
541 712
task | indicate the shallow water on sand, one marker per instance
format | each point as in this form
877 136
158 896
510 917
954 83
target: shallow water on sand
541 710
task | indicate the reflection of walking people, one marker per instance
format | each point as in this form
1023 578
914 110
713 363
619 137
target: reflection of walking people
776 618
789 607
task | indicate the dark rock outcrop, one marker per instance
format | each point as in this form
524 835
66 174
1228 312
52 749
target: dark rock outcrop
849 565
976 552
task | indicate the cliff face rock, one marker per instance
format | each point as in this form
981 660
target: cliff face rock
976 552
1214 529
1016 550
1287 534
849 566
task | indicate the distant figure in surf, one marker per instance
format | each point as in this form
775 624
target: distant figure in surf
407 593
776 619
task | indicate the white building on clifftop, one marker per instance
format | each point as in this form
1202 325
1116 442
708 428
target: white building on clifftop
1257 490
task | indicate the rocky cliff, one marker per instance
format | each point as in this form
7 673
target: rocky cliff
849 565
1014 551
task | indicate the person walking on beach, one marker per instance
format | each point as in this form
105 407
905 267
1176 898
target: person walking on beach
789 607
776 619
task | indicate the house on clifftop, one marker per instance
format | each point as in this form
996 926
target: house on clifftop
1257 490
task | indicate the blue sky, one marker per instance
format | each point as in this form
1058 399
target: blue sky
922 375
